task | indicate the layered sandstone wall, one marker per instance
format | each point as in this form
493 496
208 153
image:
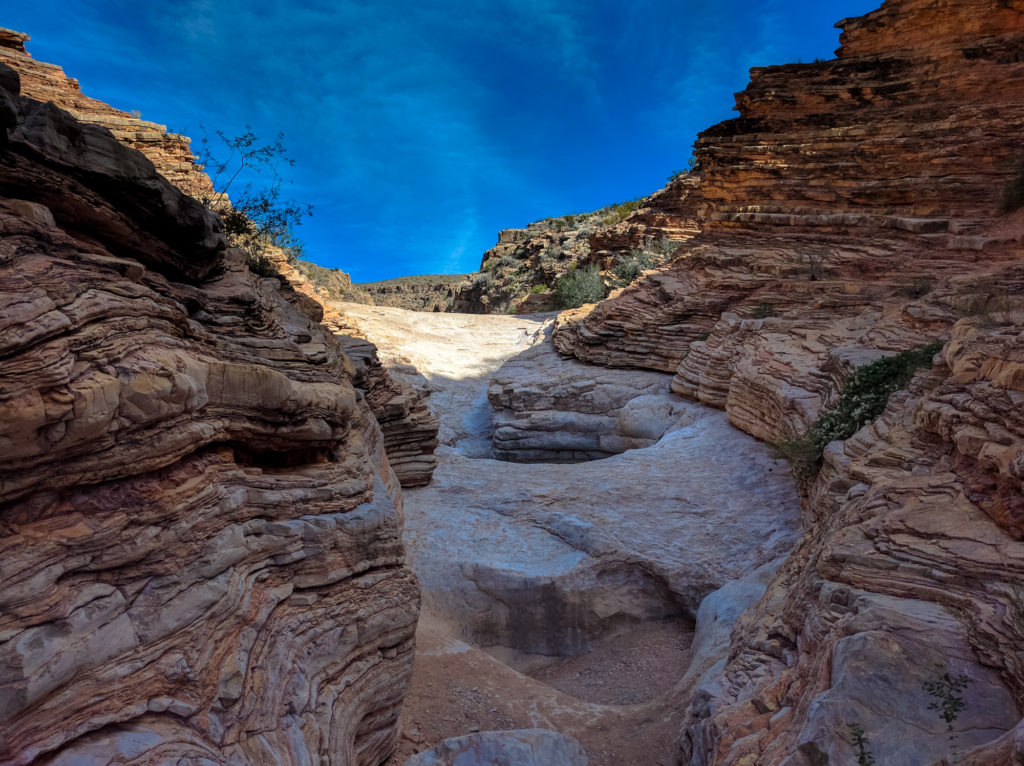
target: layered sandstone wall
910 566
410 430
851 211
845 210
200 533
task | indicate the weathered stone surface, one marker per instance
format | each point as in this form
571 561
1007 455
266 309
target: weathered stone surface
449 359
903 569
551 410
330 284
523 747
410 431
852 210
200 551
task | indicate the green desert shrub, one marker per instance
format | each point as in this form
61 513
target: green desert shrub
862 400
947 690
860 743
483 280
620 211
630 267
579 286
255 218
663 247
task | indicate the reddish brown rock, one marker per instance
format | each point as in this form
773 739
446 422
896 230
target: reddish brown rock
853 210
200 534
410 431
845 211
169 152
904 569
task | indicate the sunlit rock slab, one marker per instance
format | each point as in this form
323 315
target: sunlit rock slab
545 557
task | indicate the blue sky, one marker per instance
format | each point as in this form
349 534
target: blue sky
421 128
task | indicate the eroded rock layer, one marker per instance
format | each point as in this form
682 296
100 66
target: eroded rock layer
169 152
910 568
410 431
552 410
200 534
850 207
854 210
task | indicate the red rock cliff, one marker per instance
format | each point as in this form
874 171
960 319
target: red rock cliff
853 210
409 427
200 533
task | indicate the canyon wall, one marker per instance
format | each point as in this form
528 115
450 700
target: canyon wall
410 431
520 273
851 211
200 531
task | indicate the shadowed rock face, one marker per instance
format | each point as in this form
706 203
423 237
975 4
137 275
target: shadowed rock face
200 552
853 210
410 432
525 747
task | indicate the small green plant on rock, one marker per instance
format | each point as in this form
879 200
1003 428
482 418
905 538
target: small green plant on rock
860 744
620 211
863 399
946 688
663 247
630 267
483 280
1015 609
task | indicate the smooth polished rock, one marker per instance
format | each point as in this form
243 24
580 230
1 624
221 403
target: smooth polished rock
547 558
522 747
